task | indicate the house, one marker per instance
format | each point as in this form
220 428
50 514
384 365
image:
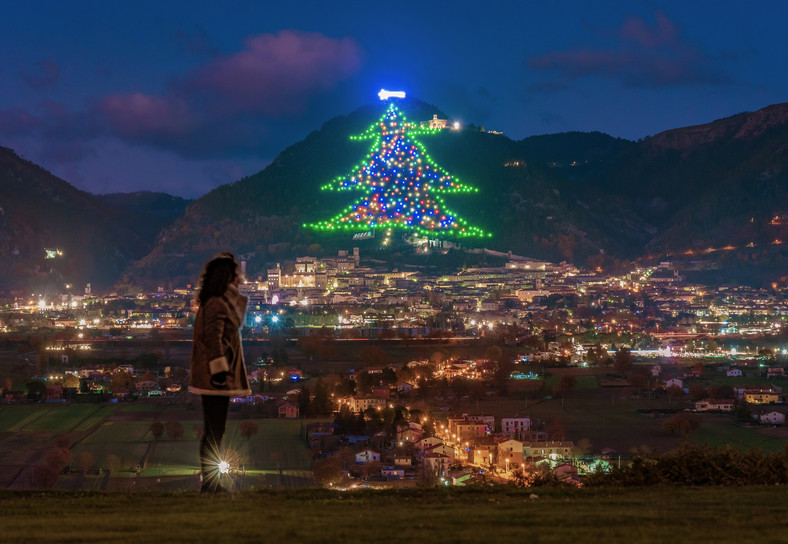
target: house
483 454
147 385
734 373
568 474
429 442
443 449
741 391
553 450
762 397
515 426
772 418
367 456
53 392
775 372
408 434
405 388
392 473
463 430
361 404
510 454
715 405
655 370
403 460
435 463
287 410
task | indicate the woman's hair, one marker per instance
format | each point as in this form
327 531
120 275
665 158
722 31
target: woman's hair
217 275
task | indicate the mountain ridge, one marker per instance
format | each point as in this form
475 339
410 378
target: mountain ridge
588 198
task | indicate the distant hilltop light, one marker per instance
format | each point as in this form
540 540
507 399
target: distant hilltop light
385 95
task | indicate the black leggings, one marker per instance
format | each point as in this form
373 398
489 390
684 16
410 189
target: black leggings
214 414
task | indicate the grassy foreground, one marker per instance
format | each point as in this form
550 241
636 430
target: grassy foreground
632 515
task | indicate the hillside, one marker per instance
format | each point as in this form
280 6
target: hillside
529 207
712 197
92 239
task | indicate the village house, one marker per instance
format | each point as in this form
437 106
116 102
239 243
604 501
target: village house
715 405
510 454
772 418
392 473
754 394
408 434
734 373
515 426
437 464
361 404
429 442
367 456
483 453
287 410
552 450
470 428
403 459
443 449
404 388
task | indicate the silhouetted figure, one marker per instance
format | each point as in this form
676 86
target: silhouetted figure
217 364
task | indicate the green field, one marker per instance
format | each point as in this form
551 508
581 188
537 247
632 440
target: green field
471 515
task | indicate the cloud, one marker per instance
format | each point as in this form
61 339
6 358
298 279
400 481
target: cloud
228 104
61 134
276 73
42 75
639 55
139 116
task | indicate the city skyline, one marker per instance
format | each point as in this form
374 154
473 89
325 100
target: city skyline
182 99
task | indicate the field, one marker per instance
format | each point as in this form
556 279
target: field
471 515
116 446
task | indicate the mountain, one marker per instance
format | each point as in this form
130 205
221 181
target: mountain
713 198
584 197
528 206
53 235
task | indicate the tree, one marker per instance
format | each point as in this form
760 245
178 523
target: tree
623 361
322 403
248 428
71 380
327 471
157 430
36 389
174 429
596 354
401 186
682 423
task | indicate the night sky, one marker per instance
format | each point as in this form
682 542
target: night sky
183 96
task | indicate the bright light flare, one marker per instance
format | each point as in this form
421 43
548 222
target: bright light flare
224 467
385 95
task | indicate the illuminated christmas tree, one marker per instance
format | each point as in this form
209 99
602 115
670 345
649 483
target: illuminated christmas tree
401 186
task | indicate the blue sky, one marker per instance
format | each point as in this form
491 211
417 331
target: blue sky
184 96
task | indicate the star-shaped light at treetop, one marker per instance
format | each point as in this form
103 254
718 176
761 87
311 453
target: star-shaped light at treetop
401 185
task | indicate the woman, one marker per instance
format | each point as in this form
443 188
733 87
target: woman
217 365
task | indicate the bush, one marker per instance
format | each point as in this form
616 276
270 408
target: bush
698 466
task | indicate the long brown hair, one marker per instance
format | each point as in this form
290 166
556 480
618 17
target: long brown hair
217 275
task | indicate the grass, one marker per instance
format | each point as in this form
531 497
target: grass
637 515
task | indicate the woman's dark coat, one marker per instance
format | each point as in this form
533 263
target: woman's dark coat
217 346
